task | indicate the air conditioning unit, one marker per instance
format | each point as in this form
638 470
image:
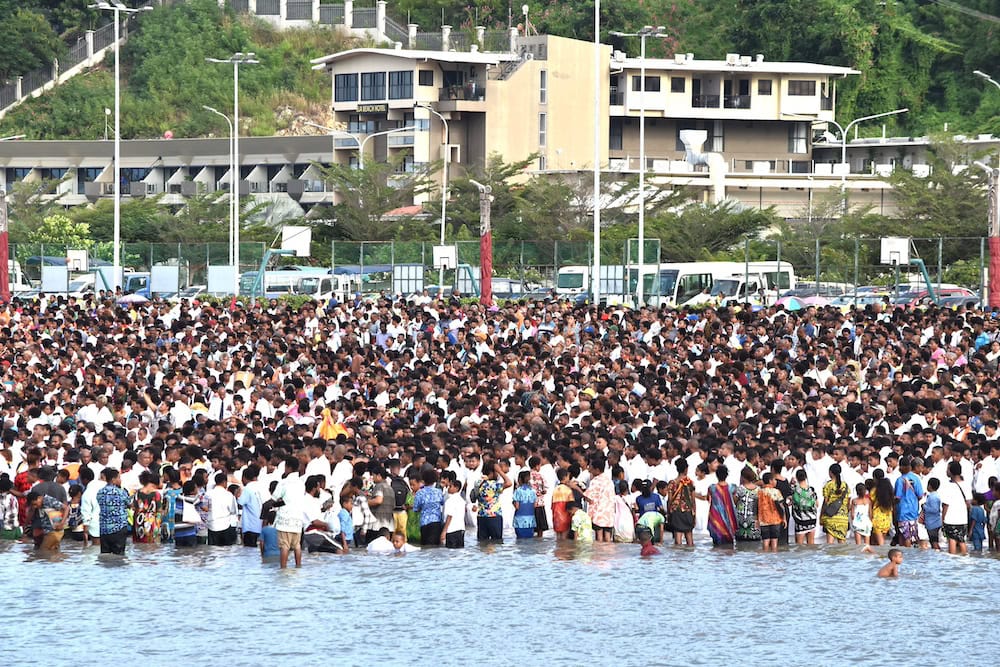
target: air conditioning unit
679 59
732 58
745 61
528 55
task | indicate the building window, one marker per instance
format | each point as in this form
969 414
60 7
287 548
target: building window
345 88
425 77
541 129
615 131
357 126
677 84
543 86
716 139
798 137
542 163
802 88
418 124
764 87
372 86
353 162
400 85
652 84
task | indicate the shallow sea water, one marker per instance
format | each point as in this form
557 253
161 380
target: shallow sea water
534 603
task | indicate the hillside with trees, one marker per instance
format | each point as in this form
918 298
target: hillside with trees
918 54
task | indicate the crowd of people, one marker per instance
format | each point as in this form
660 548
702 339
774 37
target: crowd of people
389 425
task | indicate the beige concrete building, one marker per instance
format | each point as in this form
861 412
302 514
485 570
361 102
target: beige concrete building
513 104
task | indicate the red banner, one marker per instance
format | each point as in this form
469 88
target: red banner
994 287
486 268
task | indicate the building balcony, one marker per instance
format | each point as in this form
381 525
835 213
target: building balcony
469 92
737 101
705 101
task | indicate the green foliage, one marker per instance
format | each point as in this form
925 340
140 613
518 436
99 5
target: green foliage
168 79
29 203
943 204
367 194
695 232
62 229
27 40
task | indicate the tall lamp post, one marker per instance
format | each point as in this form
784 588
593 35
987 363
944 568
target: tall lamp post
642 34
232 177
237 59
361 142
444 184
994 218
596 278
117 7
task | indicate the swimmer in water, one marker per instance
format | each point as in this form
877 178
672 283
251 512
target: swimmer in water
891 569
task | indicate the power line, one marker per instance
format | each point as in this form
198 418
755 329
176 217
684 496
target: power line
967 11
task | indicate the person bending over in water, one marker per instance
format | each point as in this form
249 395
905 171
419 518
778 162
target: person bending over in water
891 569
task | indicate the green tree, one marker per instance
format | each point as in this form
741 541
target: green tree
947 203
28 204
62 230
368 197
27 41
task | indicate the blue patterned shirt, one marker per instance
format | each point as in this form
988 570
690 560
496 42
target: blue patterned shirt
429 502
113 501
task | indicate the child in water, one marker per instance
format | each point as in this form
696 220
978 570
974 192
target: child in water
977 522
583 528
891 569
645 536
861 516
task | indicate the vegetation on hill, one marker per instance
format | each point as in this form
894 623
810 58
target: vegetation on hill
911 53
168 79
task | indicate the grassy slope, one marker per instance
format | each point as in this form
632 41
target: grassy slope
168 80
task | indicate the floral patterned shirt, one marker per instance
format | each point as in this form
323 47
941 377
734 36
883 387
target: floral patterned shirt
488 495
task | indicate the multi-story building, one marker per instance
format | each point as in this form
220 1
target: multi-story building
512 104
525 96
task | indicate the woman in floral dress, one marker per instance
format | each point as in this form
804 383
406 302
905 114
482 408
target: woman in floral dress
745 497
147 510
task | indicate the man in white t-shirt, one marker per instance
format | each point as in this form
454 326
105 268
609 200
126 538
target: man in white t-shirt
288 497
453 533
955 495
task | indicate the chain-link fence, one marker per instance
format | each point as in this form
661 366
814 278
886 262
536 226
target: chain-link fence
825 268
193 258
828 267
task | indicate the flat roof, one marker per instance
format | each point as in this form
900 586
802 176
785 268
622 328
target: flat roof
467 57
759 66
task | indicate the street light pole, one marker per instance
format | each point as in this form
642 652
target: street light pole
444 185
993 291
117 7
642 34
596 277
237 59
232 180
361 142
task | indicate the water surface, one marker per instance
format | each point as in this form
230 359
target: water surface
536 603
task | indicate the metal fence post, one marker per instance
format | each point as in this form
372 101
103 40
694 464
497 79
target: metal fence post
982 270
746 270
520 264
940 255
817 265
856 249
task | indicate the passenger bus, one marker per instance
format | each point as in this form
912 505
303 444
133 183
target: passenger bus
678 283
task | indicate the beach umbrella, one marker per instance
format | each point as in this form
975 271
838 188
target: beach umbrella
133 298
790 303
816 301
